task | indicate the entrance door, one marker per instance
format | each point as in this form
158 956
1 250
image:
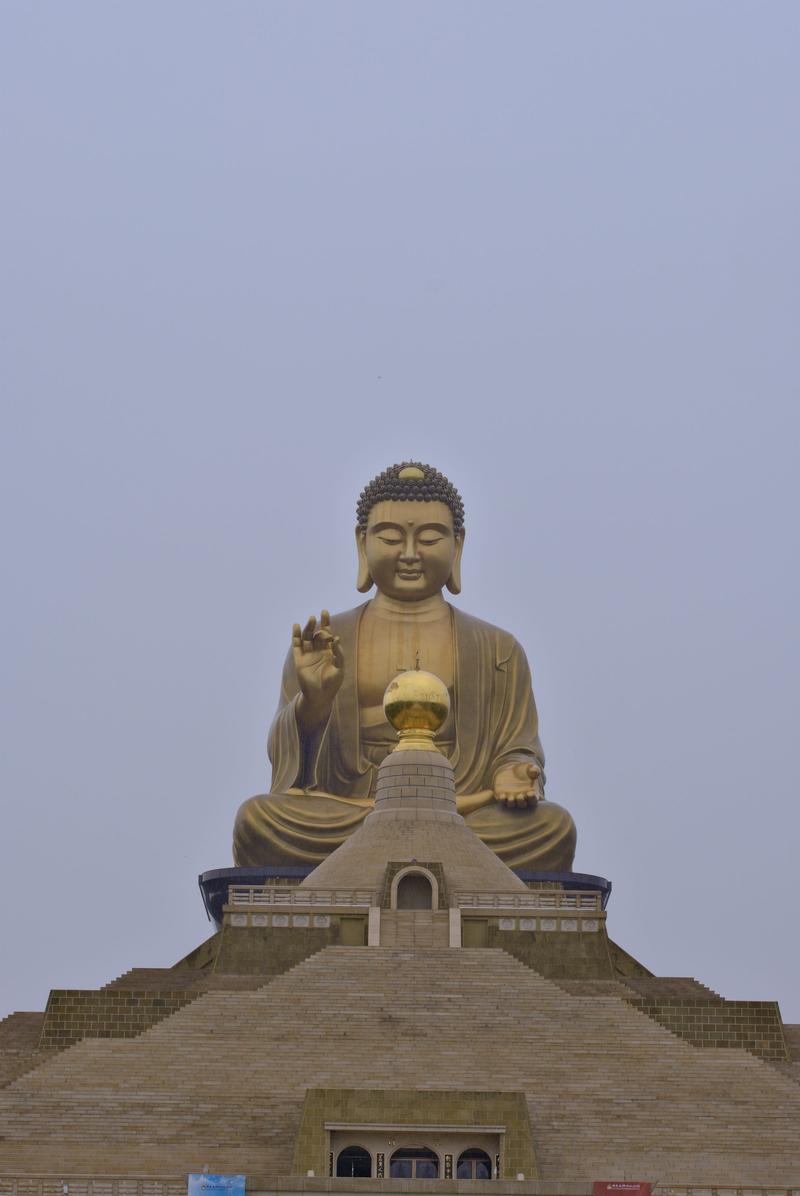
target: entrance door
353 932
474 932
354 1163
414 892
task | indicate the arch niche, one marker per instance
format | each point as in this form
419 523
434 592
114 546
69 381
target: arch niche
415 888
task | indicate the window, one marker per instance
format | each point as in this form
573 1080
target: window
414 892
354 1163
474 1164
412 1162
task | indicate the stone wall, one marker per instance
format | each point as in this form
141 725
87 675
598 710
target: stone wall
556 954
753 1026
72 1013
271 950
398 1107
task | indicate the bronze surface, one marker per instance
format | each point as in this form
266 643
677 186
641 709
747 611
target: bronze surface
332 730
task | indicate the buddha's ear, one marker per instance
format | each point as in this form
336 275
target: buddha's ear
364 580
454 580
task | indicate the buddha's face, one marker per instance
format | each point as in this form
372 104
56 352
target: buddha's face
410 549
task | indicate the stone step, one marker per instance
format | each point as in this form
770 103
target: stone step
180 979
415 928
696 1014
792 1035
665 987
14 1064
20 1031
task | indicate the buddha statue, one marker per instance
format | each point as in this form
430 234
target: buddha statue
330 732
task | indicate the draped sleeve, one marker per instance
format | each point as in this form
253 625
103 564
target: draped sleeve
517 726
496 718
284 743
329 759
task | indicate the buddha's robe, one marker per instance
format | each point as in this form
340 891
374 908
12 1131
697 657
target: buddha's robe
323 787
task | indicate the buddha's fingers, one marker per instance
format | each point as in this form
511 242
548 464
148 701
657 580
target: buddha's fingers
308 633
513 800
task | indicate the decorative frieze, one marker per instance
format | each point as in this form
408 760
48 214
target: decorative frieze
590 925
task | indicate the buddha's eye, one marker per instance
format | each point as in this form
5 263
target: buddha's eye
430 541
392 540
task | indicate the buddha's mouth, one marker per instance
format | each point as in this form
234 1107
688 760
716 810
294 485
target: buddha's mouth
409 574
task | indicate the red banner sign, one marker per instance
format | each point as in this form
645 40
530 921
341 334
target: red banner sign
621 1187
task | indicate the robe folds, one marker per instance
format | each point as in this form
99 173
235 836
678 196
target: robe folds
323 789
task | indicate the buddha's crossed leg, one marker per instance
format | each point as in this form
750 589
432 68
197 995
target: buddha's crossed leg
300 827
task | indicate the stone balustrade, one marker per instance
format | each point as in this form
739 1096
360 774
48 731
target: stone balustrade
533 899
292 897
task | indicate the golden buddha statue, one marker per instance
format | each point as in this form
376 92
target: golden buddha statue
330 732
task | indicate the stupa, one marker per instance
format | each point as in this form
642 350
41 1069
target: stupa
409 1012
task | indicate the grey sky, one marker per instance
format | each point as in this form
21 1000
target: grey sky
253 253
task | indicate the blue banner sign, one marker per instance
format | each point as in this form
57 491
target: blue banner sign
216 1185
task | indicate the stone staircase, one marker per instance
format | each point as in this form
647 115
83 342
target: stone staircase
222 1081
20 1031
696 1013
415 928
129 1005
19 1045
661 988
181 979
676 987
791 1034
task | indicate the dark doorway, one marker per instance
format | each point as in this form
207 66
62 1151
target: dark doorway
414 892
354 1163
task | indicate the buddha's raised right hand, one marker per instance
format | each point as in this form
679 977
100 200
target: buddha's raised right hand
319 664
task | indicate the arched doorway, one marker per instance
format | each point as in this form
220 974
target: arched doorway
354 1163
414 891
414 1162
474 1164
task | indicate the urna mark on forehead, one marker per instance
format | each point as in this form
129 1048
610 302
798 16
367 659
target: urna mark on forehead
411 482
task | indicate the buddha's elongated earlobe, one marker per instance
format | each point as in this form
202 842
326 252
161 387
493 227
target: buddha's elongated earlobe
454 580
364 580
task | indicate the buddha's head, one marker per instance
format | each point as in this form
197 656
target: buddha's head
410 533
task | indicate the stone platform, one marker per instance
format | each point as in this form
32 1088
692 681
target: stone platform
215 883
227 1079
411 992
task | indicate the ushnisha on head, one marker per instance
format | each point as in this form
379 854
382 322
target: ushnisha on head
410 533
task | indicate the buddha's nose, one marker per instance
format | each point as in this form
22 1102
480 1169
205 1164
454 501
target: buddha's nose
410 552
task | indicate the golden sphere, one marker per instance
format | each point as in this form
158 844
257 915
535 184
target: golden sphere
416 701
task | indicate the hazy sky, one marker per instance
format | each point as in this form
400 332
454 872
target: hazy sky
252 253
